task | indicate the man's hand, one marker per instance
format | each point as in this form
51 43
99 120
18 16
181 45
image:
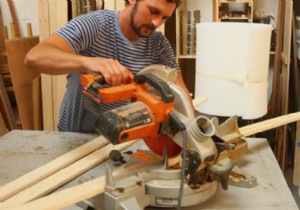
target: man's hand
113 72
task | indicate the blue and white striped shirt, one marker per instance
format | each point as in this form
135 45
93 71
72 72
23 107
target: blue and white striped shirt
98 34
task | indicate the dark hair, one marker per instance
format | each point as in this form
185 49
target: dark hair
177 2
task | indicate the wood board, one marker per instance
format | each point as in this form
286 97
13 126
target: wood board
31 178
22 77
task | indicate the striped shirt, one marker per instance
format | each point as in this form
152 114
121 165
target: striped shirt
98 34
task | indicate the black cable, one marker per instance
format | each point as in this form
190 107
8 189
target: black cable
181 126
180 194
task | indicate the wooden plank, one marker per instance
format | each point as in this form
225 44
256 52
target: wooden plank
13 30
22 77
285 69
275 97
46 170
52 15
8 112
269 124
37 104
29 30
296 175
66 197
63 176
2 48
15 23
5 32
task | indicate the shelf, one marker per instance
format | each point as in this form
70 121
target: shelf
187 57
235 10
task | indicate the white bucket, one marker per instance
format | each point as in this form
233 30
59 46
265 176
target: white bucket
188 21
232 63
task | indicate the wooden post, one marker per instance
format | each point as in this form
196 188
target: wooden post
29 29
15 22
31 178
296 178
2 48
22 77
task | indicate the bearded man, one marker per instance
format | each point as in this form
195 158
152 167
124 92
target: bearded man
107 42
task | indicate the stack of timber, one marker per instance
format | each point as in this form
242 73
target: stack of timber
22 85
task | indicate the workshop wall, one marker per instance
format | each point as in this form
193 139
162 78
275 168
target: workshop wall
26 12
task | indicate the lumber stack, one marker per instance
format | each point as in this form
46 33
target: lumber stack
56 173
21 86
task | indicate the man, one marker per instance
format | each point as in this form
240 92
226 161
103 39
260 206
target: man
108 42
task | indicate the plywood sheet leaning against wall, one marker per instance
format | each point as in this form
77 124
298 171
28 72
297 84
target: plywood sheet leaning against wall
22 77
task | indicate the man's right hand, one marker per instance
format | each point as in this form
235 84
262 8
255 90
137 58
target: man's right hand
113 72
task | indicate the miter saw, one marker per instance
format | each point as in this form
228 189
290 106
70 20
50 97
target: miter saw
187 154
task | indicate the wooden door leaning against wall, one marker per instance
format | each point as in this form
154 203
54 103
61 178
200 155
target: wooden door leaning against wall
25 82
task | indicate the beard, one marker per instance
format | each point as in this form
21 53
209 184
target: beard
138 30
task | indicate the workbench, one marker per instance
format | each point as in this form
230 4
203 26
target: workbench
21 151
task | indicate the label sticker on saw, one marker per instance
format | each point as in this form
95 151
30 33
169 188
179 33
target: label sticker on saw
134 114
170 202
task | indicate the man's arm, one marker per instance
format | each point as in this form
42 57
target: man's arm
55 56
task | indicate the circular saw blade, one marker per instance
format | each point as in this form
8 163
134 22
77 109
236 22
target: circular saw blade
159 144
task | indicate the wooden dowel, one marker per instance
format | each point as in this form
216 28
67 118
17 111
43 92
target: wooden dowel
14 18
46 170
13 30
269 124
5 33
67 197
29 29
63 176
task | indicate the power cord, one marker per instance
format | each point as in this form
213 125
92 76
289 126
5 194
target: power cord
177 123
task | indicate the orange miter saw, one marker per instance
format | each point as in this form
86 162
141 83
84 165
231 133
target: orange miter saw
188 154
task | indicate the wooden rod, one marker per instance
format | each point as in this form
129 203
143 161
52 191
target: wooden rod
46 170
63 176
2 43
269 124
67 197
12 30
5 32
14 18
29 29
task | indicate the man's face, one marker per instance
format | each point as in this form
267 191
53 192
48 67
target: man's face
147 15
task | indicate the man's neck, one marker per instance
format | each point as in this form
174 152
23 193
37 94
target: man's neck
124 22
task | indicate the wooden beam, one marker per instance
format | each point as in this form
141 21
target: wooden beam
37 104
8 112
46 170
296 176
67 197
22 77
15 23
269 124
2 48
29 29
63 176
5 32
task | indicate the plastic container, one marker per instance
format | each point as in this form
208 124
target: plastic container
188 21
